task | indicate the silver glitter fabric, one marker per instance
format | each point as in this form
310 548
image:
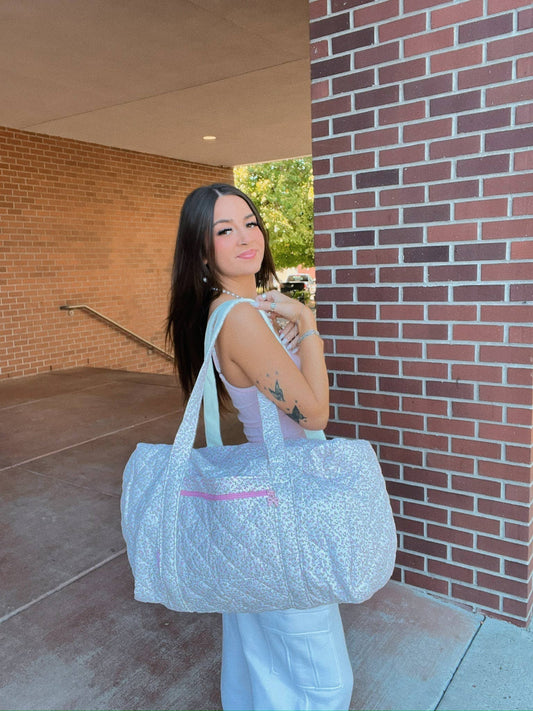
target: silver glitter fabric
255 527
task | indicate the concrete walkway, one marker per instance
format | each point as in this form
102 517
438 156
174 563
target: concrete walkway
72 637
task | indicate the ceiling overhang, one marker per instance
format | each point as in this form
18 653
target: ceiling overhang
156 76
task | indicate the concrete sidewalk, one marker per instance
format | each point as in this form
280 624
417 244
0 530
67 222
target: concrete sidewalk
72 637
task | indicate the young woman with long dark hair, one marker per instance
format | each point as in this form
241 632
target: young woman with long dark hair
287 659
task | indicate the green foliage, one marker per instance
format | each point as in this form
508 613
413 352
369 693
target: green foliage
283 193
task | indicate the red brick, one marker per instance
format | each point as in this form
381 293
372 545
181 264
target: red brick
453 190
509 47
478 332
507 272
410 111
398 454
506 229
371 13
403 312
427 582
477 411
455 13
486 75
476 560
505 585
342 220
353 162
409 560
505 354
400 235
518 494
476 448
506 433
524 160
429 42
402 196
479 524
451 232
452 352
375 138
477 485
399 28
457 58
377 218
454 427
524 67
430 86
375 56
448 534
453 572
424 405
475 595
518 532
503 548
449 499
355 201
507 313
503 394
427 173
521 206
378 256
453 272
402 156
402 71
425 369
353 81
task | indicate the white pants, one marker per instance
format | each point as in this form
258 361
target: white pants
286 660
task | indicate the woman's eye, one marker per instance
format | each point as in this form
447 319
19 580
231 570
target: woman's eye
224 231
252 224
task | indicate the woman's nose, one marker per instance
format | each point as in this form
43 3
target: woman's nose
243 236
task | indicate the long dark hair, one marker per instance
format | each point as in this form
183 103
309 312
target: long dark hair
195 281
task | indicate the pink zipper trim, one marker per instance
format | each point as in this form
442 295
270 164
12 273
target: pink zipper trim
270 495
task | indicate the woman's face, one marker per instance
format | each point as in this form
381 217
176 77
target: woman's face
238 241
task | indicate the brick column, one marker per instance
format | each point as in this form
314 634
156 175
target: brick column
423 183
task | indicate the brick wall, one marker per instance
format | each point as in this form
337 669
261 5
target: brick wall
81 223
423 180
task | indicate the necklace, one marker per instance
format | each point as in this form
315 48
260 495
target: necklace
229 293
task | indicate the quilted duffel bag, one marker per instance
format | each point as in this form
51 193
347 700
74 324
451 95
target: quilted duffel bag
256 526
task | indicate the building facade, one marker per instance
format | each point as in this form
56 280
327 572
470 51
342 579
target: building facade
423 181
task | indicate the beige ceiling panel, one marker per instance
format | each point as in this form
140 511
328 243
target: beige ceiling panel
149 75
260 116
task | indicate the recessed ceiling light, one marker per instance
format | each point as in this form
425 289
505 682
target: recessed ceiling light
210 138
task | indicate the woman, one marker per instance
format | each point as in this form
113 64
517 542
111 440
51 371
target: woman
289 659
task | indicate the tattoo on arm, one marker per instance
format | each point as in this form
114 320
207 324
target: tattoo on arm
296 415
277 393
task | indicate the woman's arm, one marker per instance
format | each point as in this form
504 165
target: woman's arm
250 354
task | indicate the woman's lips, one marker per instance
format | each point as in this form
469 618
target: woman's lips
249 254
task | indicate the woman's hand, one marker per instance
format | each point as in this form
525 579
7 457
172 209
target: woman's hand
277 305
289 335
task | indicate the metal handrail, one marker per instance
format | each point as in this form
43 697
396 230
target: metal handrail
119 327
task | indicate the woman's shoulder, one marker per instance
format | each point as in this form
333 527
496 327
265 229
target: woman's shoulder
243 317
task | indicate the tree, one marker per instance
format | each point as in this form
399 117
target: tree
283 193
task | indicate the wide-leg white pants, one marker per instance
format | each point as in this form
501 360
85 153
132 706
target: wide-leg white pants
285 661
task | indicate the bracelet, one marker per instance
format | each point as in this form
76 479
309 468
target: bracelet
311 332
